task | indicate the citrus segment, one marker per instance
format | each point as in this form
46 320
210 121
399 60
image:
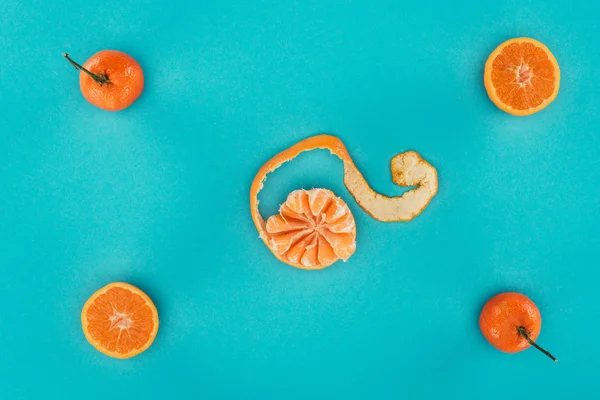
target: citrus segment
120 320
301 207
302 231
522 76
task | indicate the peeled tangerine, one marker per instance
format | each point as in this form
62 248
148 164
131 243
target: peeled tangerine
313 230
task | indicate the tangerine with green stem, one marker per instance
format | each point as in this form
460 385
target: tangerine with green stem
110 79
511 322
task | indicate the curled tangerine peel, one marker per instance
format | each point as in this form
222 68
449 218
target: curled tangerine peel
408 169
313 230
522 76
120 320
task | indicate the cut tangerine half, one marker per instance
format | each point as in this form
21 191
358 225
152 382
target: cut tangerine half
522 76
120 320
314 229
408 169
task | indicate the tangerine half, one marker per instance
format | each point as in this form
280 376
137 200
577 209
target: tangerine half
314 229
120 320
522 76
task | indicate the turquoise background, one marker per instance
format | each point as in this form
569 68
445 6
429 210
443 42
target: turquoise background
157 196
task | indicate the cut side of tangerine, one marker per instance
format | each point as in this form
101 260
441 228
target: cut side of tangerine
522 76
313 230
120 320
408 169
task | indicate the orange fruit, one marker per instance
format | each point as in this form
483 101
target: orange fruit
110 79
522 76
120 320
408 169
314 229
511 322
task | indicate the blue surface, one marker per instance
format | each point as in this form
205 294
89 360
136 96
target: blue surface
157 196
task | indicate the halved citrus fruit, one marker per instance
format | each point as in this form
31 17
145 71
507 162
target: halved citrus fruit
522 76
120 320
314 229
408 169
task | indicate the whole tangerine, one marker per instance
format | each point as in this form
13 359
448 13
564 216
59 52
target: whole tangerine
511 322
110 79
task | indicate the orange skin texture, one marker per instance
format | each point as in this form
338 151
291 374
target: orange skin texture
126 80
542 75
503 314
97 342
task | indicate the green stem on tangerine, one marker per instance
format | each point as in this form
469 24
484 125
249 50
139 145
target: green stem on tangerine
523 332
101 79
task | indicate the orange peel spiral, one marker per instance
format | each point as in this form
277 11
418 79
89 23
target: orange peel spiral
408 169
